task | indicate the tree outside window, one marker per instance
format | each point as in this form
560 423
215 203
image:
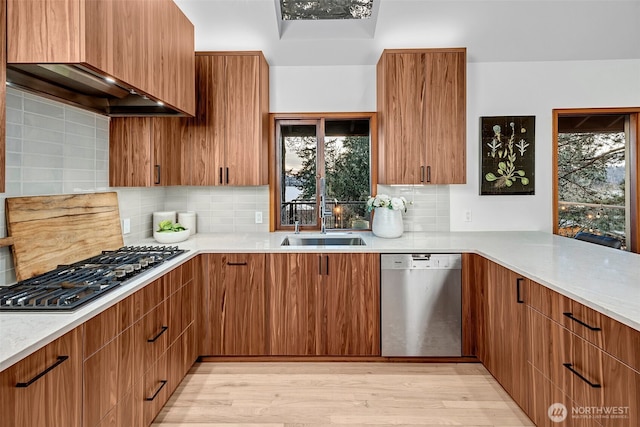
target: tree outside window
338 150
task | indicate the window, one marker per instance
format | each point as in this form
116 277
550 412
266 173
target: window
326 9
597 174
334 149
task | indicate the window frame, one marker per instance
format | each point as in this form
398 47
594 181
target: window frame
633 165
274 158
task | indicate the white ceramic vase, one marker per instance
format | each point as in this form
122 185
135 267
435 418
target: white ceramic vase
387 223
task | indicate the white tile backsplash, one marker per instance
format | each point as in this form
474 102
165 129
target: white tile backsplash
222 209
429 208
51 148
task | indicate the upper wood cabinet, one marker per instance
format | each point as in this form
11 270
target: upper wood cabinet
229 144
45 388
146 151
421 98
3 91
147 45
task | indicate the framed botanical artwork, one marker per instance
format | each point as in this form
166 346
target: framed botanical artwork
507 151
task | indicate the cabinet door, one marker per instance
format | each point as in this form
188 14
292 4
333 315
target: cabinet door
604 386
50 391
295 308
245 147
351 288
445 120
506 328
108 375
166 142
3 90
401 117
237 300
153 389
206 148
130 156
130 42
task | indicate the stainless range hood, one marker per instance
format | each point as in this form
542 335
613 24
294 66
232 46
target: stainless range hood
80 86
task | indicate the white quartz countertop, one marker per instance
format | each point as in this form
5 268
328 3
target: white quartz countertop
602 278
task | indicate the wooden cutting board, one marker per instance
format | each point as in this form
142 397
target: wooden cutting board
47 231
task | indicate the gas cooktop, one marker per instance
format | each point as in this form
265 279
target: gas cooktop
70 286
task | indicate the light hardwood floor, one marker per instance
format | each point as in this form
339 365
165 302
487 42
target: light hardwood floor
348 394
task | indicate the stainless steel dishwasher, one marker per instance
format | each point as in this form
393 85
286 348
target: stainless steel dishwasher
421 304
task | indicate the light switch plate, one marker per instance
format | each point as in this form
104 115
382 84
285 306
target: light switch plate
126 225
258 217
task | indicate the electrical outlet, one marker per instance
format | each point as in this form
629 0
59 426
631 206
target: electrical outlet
126 225
258 217
467 216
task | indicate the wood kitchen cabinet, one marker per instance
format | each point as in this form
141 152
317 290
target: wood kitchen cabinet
138 351
505 350
45 388
3 91
421 104
237 305
147 45
229 144
324 304
580 362
146 151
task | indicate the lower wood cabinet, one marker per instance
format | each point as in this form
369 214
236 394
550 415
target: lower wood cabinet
595 387
237 305
140 349
505 332
45 388
324 304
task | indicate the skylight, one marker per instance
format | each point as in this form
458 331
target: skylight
293 10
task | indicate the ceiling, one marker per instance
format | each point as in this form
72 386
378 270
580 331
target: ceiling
492 30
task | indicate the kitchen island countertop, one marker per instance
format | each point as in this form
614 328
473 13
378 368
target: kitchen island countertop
601 278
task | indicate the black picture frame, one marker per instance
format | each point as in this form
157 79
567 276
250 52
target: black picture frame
507 155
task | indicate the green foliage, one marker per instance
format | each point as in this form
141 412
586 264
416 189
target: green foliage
585 162
346 170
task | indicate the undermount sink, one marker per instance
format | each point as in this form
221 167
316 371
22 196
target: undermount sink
323 240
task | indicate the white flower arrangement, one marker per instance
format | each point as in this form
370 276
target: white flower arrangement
384 201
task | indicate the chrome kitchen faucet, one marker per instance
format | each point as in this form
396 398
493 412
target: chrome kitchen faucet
323 208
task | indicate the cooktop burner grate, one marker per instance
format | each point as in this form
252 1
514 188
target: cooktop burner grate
70 286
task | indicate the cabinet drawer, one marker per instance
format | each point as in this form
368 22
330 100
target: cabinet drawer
127 413
151 295
604 389
49 394
152 335
154 389
548 302
605 333
550 348
108 376
107 325
545 395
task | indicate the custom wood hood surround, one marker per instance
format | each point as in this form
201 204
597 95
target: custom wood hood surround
117 58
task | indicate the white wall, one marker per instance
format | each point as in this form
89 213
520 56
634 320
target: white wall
515 88
532 88
322 89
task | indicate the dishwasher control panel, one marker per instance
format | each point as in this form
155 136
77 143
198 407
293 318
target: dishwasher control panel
421 261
